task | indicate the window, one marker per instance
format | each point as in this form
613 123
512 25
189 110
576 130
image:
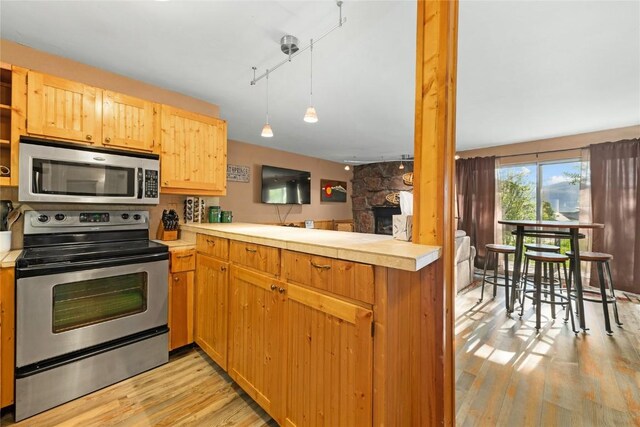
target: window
539 191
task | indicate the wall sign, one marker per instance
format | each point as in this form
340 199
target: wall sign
333 191
238 173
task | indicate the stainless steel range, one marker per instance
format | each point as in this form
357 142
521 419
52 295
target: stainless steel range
91 305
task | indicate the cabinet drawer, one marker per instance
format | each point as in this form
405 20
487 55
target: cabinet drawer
346 278
183 260
265 259
215 246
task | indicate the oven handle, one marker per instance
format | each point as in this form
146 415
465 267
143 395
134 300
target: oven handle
43 270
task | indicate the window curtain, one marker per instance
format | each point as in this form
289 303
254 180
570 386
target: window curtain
615 175
476 190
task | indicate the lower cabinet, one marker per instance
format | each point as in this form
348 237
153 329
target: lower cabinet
329 363
257 332
7 335
212 277
180 309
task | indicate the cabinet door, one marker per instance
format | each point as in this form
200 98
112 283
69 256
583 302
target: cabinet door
128 122
61 108
329 361
180 309
194 153
7 335
211 307
256 344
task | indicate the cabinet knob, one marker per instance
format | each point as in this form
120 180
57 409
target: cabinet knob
107 139
176 279
223 268
252 251
273 287
281 290
89 137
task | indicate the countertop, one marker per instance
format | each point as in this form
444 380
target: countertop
375 249
8 259
178 244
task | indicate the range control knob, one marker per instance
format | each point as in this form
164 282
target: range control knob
137 217
59 217
125 216
43 218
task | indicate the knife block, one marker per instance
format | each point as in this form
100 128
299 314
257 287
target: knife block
163 234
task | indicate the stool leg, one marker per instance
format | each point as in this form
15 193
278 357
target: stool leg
524 287
569 282
506 281
495 276
552 286
603 294
537 283
545 278
568 309
613 294
484 274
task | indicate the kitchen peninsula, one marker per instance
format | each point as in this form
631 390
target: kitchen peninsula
319 327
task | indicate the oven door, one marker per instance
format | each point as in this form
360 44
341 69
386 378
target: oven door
59 173
60 313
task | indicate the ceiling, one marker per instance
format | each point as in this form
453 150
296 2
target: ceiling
527 70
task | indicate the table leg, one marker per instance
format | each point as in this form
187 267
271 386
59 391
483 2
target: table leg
517 267
577 275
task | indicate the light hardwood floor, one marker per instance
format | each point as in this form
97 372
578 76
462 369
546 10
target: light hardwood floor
508 375
505 375
190 390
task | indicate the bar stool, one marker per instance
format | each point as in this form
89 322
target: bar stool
496 250
539 258
602 263
547 266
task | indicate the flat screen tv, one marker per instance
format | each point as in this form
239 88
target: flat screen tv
285 186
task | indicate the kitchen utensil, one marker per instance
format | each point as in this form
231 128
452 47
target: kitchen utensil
4 171
13 217
5 207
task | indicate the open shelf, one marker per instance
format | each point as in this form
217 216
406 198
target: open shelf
6 79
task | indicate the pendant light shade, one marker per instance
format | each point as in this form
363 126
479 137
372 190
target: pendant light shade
347 168
311 116
401 166
267 132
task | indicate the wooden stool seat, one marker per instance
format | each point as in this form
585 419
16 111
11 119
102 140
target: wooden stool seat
502 249
592 256
540 247
546 256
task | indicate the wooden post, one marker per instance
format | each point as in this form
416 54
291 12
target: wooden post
434 168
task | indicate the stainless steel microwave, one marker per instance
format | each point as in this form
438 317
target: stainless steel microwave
52 171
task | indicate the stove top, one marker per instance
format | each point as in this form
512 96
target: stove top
88 252
53 239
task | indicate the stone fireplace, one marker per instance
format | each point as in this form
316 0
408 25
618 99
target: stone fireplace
371 184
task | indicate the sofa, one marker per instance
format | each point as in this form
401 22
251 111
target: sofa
465 254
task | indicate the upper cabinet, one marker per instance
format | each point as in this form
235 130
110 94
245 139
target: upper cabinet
63 109
128 122
194 153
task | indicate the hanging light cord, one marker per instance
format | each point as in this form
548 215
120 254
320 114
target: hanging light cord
267 96
311 84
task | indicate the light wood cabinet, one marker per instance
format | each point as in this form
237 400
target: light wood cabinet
193 153
129 122
182 263
7 335
212 282
257 338
329 377
60 108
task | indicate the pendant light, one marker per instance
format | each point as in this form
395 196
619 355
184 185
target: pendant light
347 168
266 129
311 116
401 167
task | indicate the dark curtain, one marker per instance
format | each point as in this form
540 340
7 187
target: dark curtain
476 199
615 175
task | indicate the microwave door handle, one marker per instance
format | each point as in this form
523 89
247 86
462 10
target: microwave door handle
140 183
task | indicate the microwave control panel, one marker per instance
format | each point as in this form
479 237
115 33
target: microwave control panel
150 183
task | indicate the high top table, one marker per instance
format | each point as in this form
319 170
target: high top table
546 228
